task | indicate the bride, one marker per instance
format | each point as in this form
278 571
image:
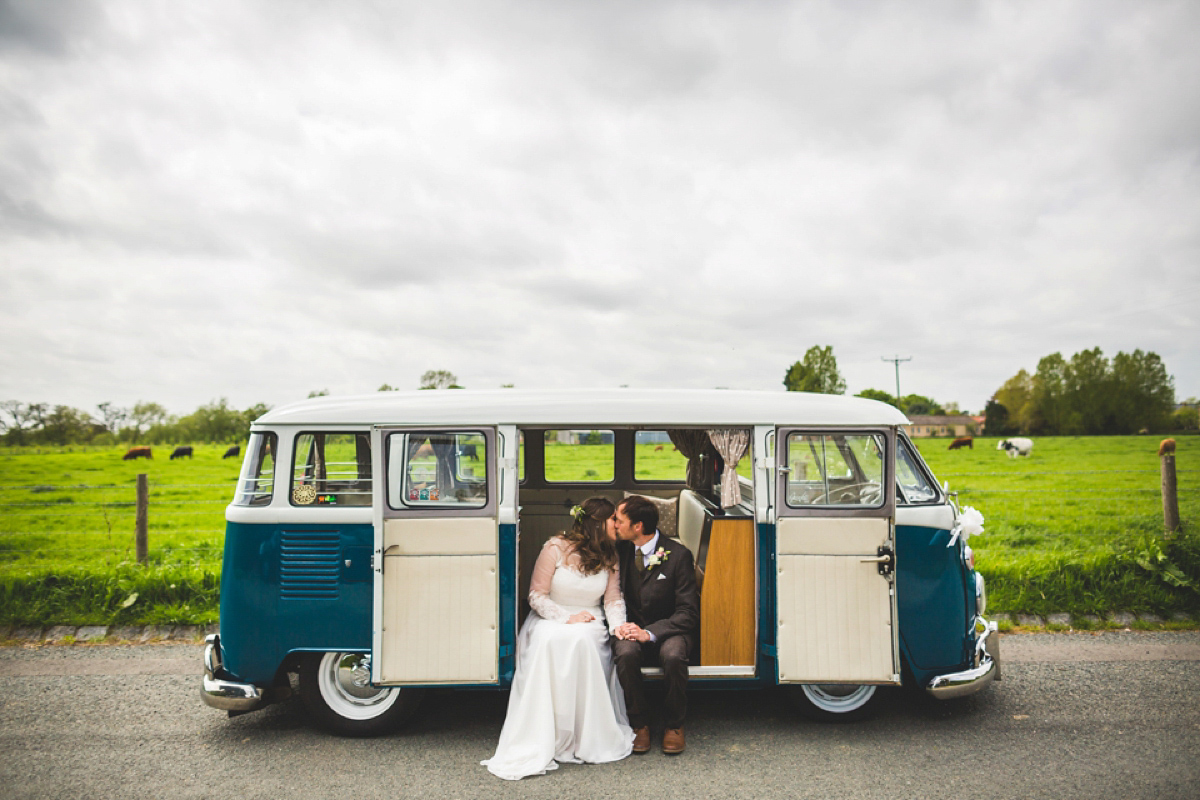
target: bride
566 702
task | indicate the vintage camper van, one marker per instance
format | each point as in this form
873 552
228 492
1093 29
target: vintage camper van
382 544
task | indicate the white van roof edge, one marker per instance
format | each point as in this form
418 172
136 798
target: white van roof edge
589 408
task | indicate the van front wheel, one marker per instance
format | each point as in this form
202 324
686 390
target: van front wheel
835 702
337 690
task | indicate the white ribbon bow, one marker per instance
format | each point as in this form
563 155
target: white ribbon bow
968 524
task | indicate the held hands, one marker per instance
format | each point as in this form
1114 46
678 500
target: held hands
580 616
631 630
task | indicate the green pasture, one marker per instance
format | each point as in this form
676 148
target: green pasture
1077 525
1074 527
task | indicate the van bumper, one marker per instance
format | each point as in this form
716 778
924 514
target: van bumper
224 694
986 669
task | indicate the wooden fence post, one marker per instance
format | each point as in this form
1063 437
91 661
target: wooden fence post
143 509
1166 452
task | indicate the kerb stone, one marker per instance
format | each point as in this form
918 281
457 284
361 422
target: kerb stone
92 633
59 633
153 633
126 633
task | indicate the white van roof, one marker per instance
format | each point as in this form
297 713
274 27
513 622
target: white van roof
586 408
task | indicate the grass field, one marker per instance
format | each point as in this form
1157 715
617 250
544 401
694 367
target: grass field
1067 525
1074 527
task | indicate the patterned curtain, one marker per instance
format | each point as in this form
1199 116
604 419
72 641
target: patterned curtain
732 444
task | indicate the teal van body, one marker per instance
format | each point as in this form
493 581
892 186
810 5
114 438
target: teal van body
312 597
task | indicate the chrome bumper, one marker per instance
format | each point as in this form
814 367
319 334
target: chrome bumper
223 694
986 669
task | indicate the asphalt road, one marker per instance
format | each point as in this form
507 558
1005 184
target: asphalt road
1076 716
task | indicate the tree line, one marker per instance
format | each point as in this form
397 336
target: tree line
149 423
1085 394
818 372
145 423
1088 394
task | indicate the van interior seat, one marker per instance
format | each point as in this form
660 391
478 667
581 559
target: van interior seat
690 526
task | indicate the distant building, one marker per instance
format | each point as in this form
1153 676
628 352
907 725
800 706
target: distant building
922 425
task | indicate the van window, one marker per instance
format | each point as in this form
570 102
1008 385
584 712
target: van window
579 457
258 473
656 459
835 470
437 470
331 469
915 487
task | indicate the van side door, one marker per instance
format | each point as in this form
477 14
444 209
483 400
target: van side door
835 556
437 556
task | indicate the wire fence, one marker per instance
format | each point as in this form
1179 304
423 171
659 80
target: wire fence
81 524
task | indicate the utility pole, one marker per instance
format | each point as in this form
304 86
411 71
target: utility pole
896 360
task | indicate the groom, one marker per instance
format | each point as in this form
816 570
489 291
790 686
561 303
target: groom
662 604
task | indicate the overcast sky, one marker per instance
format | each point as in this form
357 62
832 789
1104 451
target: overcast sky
254 200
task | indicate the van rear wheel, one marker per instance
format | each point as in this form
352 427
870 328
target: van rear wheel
835 702
336 689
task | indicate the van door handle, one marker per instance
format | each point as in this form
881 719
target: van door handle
884 557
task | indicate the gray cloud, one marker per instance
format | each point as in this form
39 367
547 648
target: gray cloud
260 199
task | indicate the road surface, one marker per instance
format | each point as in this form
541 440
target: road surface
1076 716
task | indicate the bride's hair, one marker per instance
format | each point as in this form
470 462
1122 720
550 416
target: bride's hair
589 538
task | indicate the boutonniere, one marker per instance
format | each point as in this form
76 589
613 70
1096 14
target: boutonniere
657 557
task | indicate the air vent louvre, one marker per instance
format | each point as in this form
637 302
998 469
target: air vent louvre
309 564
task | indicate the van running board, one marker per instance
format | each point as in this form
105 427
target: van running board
705 672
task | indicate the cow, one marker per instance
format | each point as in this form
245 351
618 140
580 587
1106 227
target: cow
137 452
1015 447
963 441
232 452
470 451
181 451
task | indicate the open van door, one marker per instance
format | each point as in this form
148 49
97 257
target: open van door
437 555
835 551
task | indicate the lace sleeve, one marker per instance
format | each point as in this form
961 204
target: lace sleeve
614 601
539 584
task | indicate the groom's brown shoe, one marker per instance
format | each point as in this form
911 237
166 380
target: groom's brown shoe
673 741
641 740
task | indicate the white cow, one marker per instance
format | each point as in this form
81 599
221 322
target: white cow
1016 447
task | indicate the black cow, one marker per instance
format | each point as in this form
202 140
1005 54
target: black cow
470 451
233 452
181 451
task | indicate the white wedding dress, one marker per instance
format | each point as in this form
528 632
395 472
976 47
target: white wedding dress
566 703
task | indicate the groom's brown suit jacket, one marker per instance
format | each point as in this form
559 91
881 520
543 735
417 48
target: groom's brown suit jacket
663 598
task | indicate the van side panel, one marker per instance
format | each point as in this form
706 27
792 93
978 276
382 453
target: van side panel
289 587
508 603
768 669
931 593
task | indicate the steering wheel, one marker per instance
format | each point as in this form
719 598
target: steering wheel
867 493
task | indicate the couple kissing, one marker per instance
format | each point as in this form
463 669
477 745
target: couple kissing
606 598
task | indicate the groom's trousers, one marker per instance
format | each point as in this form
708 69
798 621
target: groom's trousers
672 654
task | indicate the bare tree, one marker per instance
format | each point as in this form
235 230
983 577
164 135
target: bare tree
20 419
112 416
